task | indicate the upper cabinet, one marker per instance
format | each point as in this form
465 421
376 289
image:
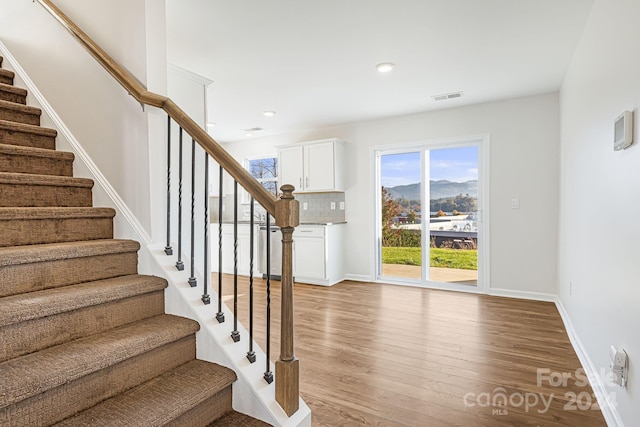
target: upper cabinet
314 166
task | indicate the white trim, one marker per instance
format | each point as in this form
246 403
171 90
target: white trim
214 345
97 175
358 277
483 142
190 75
510 293
608 408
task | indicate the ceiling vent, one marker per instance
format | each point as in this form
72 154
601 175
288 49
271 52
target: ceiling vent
446 96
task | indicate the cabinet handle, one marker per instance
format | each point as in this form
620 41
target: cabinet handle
306 231
300 183
307 181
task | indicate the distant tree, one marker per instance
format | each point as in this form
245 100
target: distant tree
390 210
458 203
441 213
411 217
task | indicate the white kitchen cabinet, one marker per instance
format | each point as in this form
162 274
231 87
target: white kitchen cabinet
314 166
318 254
290 161
244 248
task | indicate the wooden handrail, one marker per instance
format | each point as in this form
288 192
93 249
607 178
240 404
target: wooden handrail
142 95
285 210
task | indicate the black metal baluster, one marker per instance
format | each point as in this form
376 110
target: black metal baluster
220 314
251 355
168 249
179 263
192 280
268 375
235 335
207 274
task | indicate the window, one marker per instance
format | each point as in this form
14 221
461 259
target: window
265 170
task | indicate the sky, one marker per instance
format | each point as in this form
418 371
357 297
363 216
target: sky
452 164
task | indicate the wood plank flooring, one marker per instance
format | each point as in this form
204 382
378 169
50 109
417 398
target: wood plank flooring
385 355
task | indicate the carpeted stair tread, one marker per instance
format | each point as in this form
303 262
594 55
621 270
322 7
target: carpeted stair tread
40 320
44 180
16 255
36 161
6 76
21 134
159 401
32 374
35 152
236 419
30 190
32 226
30 268
33 305
19 113
12 94
27 213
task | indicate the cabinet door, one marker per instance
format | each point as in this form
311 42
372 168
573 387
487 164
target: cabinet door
290 160
244 249
309 257
319 167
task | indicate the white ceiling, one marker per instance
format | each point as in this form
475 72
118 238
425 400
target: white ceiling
313 61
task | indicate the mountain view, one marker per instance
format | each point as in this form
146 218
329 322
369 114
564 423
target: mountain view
438 190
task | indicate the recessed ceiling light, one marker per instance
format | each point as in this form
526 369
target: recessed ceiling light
269 113
385 67
248 134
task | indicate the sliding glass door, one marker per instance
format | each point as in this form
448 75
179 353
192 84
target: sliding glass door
429 226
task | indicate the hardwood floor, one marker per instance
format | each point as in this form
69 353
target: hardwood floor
385 355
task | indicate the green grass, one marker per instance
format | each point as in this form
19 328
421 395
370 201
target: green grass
440 257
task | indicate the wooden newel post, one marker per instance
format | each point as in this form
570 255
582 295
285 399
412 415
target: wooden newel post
287 366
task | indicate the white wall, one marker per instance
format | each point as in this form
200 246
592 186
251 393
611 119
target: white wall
599 230
110 124
524 136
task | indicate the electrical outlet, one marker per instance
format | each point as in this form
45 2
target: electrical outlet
341 206
333 206
515 203
305 206
619 365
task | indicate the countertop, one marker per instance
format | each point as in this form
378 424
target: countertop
247 222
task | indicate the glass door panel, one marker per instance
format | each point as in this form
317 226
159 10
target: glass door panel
429 215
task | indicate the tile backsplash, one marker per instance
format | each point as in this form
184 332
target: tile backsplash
319 207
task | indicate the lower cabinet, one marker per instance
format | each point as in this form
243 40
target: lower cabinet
318 254
244 248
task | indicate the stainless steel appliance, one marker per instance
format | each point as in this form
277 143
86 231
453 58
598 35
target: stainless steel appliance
276 251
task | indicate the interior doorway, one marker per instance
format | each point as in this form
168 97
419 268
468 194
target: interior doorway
430 230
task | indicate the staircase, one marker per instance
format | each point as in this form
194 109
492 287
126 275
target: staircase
83 337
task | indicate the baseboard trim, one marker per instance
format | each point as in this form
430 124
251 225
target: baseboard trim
609 411
510 293
78 150
358 278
